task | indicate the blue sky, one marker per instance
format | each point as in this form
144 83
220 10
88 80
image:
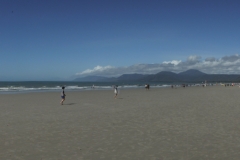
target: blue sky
62 40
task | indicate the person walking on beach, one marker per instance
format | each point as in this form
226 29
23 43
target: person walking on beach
63 95
116 91
147 86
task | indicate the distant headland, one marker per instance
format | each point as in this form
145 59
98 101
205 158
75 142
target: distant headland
191 75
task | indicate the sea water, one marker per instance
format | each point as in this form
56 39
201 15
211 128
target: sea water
50 86
10 87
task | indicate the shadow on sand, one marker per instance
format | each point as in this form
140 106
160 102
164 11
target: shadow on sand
119 98
69 104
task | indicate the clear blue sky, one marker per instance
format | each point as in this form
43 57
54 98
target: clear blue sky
55 39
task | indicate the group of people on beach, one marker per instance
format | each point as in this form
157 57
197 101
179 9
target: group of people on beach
115 87
63 95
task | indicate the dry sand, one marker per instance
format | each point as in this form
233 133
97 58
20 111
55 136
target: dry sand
192 123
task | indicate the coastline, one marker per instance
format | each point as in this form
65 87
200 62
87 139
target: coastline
55 86
162 123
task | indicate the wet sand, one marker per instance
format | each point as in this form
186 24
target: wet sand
192 123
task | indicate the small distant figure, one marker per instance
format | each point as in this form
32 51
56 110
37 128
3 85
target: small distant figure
147 86
93 86
63 95
115 91
172 86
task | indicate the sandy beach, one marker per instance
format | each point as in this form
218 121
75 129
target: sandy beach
192 123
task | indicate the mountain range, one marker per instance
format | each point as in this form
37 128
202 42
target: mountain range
191 75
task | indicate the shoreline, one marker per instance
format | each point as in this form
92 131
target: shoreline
94 89
49 86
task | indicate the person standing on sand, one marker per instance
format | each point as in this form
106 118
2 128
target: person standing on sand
63 95
147 86
115 91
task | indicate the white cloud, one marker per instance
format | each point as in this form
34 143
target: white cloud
211 65
174 62
194 58
95 69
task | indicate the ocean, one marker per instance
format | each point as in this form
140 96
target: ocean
51 86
